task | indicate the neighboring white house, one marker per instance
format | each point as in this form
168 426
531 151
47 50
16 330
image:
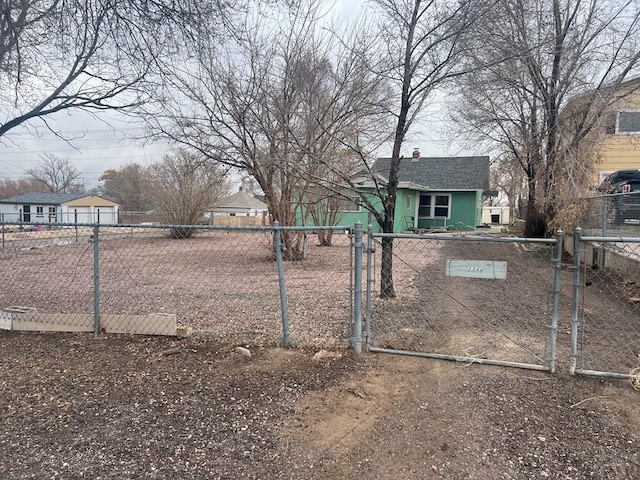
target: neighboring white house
58 208
240 204
497 215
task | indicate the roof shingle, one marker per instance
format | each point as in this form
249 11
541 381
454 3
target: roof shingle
43 198
440 173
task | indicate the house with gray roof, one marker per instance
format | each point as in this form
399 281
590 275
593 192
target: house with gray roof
241 204
433 192
40 208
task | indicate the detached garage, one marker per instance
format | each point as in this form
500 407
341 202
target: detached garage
58 208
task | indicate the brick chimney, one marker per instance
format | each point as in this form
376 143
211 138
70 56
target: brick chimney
416 155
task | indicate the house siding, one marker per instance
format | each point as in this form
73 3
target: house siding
402 217
619 151
462 179
465 212
91 201
350 218
89 209
13 212
404 214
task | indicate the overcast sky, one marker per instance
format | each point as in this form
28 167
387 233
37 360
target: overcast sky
102 143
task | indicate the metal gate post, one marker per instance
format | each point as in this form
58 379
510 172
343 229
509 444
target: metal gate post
556 301
369 287
277 242
356 334
575 320
351 255
96 279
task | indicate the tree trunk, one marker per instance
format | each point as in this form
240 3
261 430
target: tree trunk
387 289
294 244
535 225
325 237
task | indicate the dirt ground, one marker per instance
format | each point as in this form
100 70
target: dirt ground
120 407
123 407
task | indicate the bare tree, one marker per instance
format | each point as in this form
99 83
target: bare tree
184 187
541 54
128 186
326 194
89 54
423 42
272 103
12 188
57 175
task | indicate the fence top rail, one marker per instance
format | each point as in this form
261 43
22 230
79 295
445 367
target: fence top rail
611 239
466 238
266 228
336 228
51 224
611 195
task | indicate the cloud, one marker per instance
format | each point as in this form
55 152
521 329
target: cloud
94 144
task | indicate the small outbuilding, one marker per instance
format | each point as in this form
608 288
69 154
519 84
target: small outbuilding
58 208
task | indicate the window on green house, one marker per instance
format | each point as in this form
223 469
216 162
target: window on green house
434 205
350 205
424 210
409 201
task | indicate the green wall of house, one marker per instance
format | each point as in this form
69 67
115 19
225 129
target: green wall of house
350 218
465 213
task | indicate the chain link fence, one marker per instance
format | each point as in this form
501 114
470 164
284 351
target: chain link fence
137 279
606 299
606 310
611 215
466 297
482 299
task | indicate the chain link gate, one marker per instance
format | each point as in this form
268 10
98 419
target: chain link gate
467 298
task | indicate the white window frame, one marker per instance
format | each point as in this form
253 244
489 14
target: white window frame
432 208
618 132
352 205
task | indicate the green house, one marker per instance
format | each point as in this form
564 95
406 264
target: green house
433 192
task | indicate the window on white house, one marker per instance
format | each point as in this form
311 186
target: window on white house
628 122
349 205
434 205
39 211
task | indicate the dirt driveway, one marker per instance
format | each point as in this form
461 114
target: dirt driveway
107 407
